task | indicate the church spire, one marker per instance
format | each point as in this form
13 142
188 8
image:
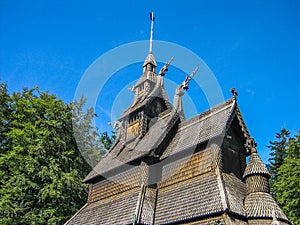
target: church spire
150 63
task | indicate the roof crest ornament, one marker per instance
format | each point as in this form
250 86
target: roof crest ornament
119 128
177 102
234 93
251 145
189 78
164 69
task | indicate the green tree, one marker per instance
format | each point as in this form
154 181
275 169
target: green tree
41 167
4 117
5 142
91 145
287 184
278 153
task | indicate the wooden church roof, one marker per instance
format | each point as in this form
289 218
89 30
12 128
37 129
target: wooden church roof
176 171
207 125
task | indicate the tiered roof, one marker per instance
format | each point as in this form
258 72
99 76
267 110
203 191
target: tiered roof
186 158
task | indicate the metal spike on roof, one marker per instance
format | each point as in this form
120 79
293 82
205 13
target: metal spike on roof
150 58
151 31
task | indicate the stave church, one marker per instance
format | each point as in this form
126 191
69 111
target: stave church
166 169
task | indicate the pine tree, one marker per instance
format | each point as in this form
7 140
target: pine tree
278 153
287 184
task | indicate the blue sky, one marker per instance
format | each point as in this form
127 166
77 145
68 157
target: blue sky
250 45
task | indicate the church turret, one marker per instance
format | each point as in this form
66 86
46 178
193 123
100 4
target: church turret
256 174
150 63
260 206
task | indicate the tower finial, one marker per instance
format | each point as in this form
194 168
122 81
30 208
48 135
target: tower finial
151 31
251 145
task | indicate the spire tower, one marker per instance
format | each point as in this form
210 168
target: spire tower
150 63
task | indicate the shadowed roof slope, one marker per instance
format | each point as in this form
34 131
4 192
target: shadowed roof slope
199 129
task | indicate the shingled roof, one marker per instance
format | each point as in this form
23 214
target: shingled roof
142 102
256 166
122 154
258 202
150 59
175 203
106 211
263 205
191 188
199 129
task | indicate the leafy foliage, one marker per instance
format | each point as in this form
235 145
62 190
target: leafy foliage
91 145
41 167
4 114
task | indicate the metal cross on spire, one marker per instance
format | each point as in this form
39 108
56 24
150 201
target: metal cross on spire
151 31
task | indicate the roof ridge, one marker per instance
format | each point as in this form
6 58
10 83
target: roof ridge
241 121
207 112
221 186
82 208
